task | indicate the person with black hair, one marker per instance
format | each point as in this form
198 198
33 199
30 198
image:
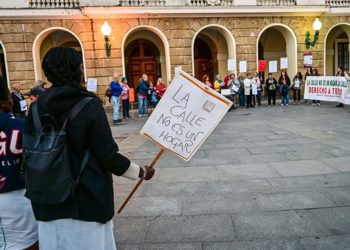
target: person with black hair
18 228
296 87
284 82
84 221
271 85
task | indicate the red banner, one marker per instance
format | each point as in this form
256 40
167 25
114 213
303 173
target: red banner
262 65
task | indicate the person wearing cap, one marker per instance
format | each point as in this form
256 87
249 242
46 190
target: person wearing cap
19 103
18 227
34 93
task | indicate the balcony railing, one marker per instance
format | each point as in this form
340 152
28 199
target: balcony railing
211 2
69 4
340 3
276 2
142 2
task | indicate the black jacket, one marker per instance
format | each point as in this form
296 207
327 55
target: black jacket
16 98
267 82
90 129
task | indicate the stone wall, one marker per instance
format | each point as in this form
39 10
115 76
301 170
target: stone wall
18 37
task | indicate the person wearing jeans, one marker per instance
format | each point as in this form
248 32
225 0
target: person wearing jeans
125 98
284 82
116 90
142 95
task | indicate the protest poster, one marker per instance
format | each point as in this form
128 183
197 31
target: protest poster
91 85
226 92
254 89
284 63
273 66
131 95
308 59
243 66
185 116
178 70
262 65
327 88
231 64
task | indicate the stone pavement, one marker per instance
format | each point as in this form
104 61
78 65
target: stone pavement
267 178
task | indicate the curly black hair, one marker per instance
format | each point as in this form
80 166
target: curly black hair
62 66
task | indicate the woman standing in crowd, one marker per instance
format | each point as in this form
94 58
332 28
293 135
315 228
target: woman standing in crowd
218 84
125 98
340 73
19 102
298 82
116 91
257 82
233 85
142 95
315 102
152 95
207 82
18 228
241 90
85 220
284 82
248 90
161 88
271 85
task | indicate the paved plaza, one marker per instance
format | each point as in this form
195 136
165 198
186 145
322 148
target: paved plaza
267 178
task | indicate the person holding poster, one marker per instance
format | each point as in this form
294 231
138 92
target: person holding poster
19 102
271 85
218 84
297 84
256 80
248 90
284 83
340 73
125 98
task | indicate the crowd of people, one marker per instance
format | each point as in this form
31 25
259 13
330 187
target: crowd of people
248 91
148 95
61 144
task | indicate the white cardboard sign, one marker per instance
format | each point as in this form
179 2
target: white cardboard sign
185 116
243 66
284 63
231 64
273 66
91 85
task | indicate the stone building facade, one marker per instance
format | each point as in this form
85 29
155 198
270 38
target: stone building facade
155 40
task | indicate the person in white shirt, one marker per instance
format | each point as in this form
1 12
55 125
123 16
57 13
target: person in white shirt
248 90
296 87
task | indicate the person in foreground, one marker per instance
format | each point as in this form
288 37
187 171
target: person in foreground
18 228
84 221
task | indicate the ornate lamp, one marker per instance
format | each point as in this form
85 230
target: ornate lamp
317 25
106 30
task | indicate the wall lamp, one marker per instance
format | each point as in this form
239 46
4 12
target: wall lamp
106 30
317 25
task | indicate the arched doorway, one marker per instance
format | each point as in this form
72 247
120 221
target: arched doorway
278 41
212 47
142 57
3 63
337 50
145 50
50 38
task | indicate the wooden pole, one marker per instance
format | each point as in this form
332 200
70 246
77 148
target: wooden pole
140 181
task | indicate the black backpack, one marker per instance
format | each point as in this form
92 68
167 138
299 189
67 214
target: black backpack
48 171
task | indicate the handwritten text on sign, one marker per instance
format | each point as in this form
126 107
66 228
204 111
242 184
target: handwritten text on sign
185 116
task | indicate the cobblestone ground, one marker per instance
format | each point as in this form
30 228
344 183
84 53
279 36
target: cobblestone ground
267 178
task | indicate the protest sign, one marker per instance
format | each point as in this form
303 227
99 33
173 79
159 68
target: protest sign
254 89
284 63
131 95
92 85
185 116
262 65
243 66
308 59
226 92
231 64
178 70
272 66
327 88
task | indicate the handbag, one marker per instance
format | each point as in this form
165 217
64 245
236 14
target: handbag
108 93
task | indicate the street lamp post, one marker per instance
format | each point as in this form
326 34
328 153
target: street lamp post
106 30
317 25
